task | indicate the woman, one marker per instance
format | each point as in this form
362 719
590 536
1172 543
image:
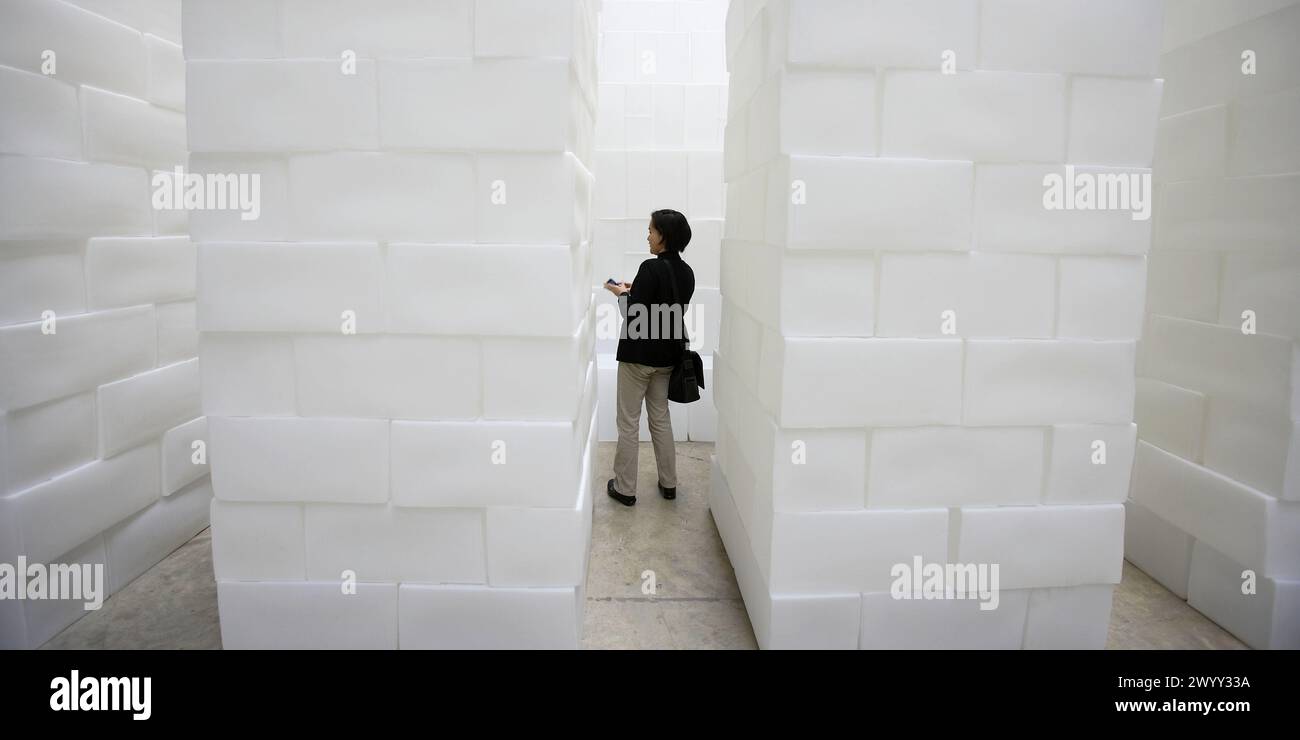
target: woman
647 351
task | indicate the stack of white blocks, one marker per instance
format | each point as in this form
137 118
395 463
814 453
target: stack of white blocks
99 381
869 194
1216 483
440 457
661 110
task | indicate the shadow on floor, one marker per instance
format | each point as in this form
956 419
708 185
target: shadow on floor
695 603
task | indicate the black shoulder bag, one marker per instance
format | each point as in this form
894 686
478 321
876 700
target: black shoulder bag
688 374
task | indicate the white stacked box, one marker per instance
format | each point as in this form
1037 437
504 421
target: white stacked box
917 357
100 409
398 354
1216 484
662 109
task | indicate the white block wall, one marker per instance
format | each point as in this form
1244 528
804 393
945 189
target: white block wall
923 194
98 417
1216 484
662 109
373 453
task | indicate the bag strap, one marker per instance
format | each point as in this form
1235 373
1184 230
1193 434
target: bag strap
672 282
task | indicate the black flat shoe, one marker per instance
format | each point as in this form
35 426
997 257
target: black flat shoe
668 493
625 500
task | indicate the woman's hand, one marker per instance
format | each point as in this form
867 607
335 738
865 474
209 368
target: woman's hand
618 289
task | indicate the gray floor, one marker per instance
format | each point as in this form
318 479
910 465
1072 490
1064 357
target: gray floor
695 604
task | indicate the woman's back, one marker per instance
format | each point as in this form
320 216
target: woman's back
655 324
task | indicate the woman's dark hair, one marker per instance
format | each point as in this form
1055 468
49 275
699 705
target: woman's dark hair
673 227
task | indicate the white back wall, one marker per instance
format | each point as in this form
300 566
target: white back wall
99 381
437 193
919 359
1216 484
662 107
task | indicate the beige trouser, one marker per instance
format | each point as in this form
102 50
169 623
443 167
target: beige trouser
637 382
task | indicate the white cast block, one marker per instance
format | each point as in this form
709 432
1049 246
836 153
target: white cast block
482 618
525 28
281 105
814 622
914 381
1170 417
1184 284
83 352
166 72
1242 523
46 618
1106 37
1256 369
535 378
1090 464
378 542
41 276
289 287
125 271
1268 619
847 551
140 542
94 199
1158 548
1040 546
293 459
942 624
46 440
1071 618
986 116
1253 445
90 49
140 408
1113 121
827 295
493 96
247 374
538 547
448 289
989 295
1101 297
954 466
868 203
178 332
393 377
394 28
272 208
130 131
828 113
61 513
273 615
179 468
485 464
231 29
385 195
47 124
1048 381
816 469
258 542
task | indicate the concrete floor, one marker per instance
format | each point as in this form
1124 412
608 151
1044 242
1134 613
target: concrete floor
696 604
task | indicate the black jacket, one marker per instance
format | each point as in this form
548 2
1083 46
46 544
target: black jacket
651 297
